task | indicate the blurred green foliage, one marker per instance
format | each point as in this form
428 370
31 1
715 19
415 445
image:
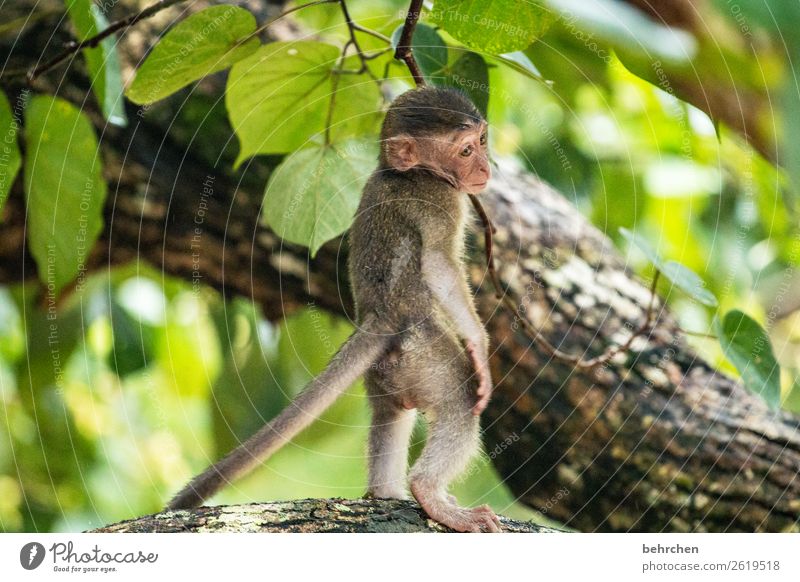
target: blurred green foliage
115 395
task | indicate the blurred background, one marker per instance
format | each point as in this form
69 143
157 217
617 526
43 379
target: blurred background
151 378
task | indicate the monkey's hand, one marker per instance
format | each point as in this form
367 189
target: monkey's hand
480 361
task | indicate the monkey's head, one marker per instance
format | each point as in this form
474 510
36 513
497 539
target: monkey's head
440 131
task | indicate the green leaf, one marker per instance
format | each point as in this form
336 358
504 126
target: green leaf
493 26
470 74
102 61
204 43
278 98
681 276
10 158
430 50
689 282
747 346
64 189
313 194
520 62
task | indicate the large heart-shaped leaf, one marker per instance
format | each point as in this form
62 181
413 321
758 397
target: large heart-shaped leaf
10 159
493 26
279 98
313 195
64 189
747 346
102 61
206 42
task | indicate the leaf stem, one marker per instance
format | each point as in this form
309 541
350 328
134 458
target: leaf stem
334 88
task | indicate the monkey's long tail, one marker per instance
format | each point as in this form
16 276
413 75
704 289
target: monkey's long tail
360 350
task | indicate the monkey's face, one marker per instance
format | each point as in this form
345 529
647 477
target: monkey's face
459 157
465 155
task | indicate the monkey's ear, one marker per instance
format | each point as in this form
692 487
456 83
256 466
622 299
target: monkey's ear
401 152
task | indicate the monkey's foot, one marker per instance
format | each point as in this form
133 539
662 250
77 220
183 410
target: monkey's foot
442 509
475 520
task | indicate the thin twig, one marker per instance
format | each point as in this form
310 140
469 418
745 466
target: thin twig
73 47
698 334
351 30
404 51
371 32
376 54
646 324
488 238
535 334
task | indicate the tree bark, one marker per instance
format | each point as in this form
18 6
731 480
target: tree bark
657 440
302 516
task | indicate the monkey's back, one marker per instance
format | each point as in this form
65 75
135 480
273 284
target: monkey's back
386 244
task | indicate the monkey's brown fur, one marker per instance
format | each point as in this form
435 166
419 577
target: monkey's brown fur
419 341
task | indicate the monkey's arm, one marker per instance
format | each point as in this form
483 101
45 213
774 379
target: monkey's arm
448 284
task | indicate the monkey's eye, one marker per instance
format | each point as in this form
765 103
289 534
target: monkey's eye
467 151
483 138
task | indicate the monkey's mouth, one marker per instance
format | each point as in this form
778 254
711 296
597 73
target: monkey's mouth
481 186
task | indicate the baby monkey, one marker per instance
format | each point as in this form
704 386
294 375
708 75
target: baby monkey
419 342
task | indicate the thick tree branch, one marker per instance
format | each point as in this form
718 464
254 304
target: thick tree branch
302 516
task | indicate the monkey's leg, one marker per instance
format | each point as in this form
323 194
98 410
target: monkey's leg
388 447
452 442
